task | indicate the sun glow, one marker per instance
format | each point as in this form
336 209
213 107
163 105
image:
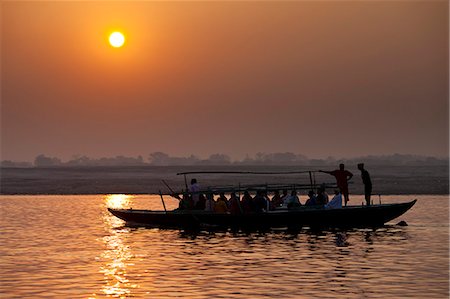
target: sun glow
118 201
116 39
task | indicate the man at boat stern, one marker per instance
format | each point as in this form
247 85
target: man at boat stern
367 183
342 177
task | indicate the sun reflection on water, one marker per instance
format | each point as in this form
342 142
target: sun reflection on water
118 201
117 254
116 257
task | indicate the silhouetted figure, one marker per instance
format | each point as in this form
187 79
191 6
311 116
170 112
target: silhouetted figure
209 204
247 203
260 202
367 183
292 201
194 189
221 205
312 199
201 203
186 202
267 199
234 204
224 198
285 195
276 201
322 196
335 202
342 176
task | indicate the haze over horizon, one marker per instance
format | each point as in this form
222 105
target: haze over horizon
192 159
341 79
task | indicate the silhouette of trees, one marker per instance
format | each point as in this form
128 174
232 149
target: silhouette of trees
260 158
44 161
15 164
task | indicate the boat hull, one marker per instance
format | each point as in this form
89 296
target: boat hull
352 216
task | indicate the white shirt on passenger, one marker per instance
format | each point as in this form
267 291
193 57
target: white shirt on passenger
194 189
335 203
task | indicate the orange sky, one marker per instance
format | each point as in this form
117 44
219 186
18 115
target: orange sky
317 78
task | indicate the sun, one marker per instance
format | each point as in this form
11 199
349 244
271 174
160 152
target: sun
116 39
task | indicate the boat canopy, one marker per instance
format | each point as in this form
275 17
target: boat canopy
259 187
245 172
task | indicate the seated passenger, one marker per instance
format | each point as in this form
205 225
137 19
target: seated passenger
292 201
221 205
235 207
336 202
209 204
322 196
276 201
312 200
224 198
267 199
247 203
201 203
185 202
260 202
285 195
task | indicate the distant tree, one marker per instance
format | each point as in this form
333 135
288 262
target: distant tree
7 163
14 164
159 158
44 161
301 159
281 158
260 156
79 161
246 161
219 159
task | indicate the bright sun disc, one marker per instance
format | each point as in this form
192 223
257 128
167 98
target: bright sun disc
116 39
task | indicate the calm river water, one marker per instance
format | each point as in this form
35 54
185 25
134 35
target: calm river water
71 247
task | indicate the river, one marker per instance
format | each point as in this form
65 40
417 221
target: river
55 246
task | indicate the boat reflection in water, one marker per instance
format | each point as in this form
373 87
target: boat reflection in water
117 255
72 247
145 262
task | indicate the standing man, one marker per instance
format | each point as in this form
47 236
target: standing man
342 176
194 189
367 183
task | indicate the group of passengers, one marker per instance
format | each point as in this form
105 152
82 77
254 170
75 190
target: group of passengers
261 202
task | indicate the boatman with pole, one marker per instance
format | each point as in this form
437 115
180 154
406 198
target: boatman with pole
342 177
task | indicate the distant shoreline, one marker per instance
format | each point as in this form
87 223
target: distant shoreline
387 179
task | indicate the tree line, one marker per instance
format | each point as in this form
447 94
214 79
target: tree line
164 159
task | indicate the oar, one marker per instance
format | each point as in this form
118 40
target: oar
162 199
174 195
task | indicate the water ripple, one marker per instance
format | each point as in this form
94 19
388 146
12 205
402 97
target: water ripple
71 247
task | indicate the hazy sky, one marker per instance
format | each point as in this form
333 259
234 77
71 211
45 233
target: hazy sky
312 77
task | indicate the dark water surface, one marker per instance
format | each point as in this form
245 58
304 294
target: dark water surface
71 247
387 179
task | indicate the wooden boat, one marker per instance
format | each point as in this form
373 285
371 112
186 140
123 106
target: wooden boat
350 216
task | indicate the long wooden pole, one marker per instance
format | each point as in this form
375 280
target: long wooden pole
162 199
167 185
173 194
185 183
